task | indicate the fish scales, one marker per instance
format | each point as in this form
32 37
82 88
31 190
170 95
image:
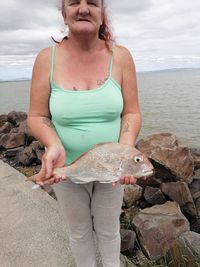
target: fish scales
105 163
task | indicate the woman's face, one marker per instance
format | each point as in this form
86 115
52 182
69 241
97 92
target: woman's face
83 16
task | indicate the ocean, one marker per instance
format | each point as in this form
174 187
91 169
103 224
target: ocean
169 100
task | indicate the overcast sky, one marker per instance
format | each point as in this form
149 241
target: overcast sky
160 34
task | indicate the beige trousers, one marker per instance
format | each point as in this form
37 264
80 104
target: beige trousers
92 208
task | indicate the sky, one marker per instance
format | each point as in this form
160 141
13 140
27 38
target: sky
159 34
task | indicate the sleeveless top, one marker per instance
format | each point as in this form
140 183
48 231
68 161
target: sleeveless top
86 117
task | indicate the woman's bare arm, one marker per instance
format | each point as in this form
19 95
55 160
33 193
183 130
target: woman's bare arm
131 115
39 120
39 116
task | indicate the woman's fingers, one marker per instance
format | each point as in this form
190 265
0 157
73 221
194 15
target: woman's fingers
127 180
114 184
133 180
48 164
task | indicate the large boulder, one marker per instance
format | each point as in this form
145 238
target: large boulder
171 162
195 189
38 149
3 119
189 243
179 192
196 226
16 117
6 127
12 140
23 128
132 193
153 141
195 152
197 174
10 153
128 238
157 227
154 195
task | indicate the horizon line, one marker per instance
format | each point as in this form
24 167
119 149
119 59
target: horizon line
137 72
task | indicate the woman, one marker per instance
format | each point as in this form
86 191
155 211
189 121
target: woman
84 92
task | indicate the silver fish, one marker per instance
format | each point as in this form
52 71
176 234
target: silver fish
106 163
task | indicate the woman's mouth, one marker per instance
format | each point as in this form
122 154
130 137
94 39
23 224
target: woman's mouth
82 19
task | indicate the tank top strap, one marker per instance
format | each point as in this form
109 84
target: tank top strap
111 60
52 62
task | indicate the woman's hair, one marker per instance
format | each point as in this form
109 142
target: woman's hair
104 30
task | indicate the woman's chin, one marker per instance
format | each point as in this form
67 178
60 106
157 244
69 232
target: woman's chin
84 30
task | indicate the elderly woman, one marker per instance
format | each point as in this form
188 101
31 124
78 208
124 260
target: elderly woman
84 92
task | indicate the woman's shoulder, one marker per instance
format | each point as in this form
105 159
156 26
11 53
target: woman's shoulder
44 54
123 55
122 51
42 62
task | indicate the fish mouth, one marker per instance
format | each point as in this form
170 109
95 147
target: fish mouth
147 173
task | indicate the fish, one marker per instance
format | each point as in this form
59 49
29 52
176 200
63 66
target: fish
106 163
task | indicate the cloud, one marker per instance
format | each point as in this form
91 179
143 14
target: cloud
160 34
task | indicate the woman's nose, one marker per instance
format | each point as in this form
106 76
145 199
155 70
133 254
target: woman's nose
83 7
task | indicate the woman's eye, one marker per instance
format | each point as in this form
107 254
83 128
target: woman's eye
92 3
71 3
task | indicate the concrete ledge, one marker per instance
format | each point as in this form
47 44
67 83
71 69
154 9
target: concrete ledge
32 230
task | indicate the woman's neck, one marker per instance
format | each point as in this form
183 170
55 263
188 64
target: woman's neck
84 43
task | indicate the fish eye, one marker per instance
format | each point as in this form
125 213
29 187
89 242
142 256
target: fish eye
138 159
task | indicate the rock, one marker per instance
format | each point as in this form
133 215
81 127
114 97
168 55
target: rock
197 203
142 260
143 204
131 194
195 226
164 151
153 141
3 119
23 128
180 193
13 152
177 191
178 160
26 157
195 188
195 152
197 174
125 262
151 181
154 195
127 216
6 128
12 140
157 227
14 130
16 117
189 243
38 148
128 238
196 196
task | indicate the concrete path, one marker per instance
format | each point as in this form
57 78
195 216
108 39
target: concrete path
32 230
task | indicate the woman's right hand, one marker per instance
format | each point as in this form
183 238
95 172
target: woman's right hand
54 156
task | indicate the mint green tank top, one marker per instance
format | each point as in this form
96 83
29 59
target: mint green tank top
86 117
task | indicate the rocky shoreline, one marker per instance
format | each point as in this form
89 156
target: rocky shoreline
160 219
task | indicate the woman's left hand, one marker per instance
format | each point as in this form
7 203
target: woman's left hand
126 180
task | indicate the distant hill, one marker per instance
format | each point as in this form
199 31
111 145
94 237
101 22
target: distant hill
149 71
14 80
